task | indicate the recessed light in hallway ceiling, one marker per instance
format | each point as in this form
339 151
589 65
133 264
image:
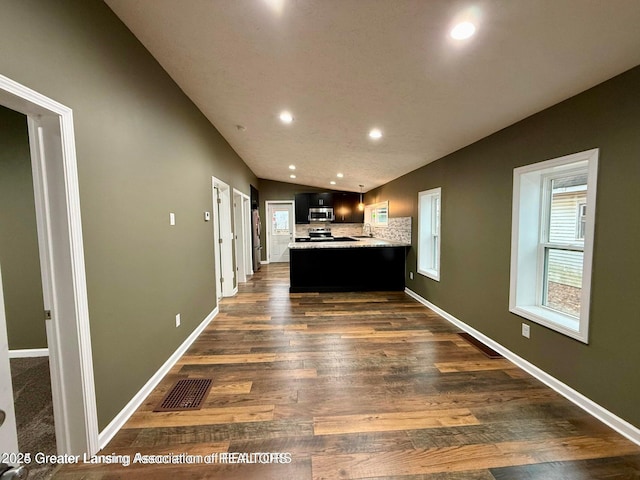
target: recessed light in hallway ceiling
286 117
375 133
463 30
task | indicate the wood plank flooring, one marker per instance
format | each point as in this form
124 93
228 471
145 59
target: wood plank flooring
358 386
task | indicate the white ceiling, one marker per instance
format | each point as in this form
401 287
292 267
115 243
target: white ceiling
343 67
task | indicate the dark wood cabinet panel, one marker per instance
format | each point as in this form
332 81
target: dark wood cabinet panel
324 199
347 269
302 208
345 207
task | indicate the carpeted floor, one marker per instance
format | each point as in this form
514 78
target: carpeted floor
34 411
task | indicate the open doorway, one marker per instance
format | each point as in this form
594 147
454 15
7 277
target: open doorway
61 253
242 235
223 240
23 297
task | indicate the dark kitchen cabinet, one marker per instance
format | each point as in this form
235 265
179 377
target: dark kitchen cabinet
302 207
345 208
321 199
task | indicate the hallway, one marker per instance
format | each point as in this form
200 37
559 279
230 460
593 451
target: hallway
359 385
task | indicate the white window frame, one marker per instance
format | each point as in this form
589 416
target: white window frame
371 214
528 234
429 233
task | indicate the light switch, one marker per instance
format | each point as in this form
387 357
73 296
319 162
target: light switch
207 216
172 218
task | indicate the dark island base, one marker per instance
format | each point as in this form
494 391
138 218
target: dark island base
347 269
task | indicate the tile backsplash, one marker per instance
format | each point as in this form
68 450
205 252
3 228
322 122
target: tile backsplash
337 229
398 229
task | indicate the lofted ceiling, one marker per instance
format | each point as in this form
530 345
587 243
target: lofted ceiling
343 67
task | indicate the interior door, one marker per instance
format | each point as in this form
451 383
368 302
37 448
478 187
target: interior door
281 223
8 430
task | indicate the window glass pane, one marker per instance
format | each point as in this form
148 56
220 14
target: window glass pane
280 222
567 193
563 280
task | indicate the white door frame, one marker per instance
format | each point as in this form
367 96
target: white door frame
242 233
222 231
9 436
246 209
267 205
57 200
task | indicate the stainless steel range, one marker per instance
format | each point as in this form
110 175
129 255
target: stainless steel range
320 233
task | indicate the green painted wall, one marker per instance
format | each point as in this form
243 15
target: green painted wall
19 256
144 150
476 238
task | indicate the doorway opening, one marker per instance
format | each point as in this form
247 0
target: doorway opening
61 252
242 235
223 240
23 299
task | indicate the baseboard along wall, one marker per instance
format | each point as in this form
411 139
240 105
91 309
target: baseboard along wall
618 424
29 352
105 436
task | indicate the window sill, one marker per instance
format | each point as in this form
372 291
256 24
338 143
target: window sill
557 321
433 274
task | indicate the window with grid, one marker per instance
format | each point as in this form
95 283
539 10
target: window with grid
552 242
429 219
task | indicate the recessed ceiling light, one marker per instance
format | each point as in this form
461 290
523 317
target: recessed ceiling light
340 175
463 30
375 133
286 117
332 182
292 176
292 167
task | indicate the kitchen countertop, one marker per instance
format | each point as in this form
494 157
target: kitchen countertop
361 243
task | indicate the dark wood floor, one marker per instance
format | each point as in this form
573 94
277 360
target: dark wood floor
362 386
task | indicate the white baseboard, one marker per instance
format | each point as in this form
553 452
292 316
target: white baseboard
234 292
29 352
618 424
105 436
264 262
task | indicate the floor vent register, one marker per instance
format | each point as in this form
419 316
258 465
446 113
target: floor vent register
186 394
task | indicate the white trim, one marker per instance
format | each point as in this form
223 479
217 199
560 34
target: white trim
426 228
29 353
527 233
222 214
292 229
121 418
62 263
234 291
264 262
618 424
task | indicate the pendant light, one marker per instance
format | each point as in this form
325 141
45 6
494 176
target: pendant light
361 205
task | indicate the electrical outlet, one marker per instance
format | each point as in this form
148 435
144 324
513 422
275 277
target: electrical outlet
526 330
177 320
410 275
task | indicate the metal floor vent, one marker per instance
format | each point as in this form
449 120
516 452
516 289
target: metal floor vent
186 394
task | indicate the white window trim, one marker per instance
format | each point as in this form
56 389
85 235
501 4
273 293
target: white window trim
433 273
369 209
524 293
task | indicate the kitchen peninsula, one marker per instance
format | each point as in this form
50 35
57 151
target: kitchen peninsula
348 264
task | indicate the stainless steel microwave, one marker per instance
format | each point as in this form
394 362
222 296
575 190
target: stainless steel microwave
321 214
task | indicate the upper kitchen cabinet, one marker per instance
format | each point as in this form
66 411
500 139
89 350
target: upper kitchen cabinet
302 207
324 199
345 208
